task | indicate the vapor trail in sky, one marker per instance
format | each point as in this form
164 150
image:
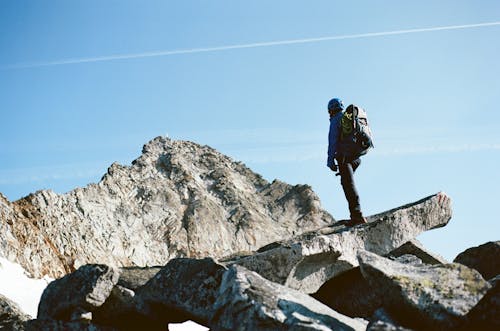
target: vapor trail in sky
242 46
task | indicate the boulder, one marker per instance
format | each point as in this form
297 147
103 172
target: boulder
486 314
427 297
120 309
185 289
307 261
161 207
11 315
76 295
350 294
247 301
484 258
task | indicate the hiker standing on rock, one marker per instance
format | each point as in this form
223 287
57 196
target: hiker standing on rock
348 139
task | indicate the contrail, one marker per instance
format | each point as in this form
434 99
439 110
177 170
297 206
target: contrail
243 46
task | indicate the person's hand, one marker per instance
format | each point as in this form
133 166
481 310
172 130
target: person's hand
334 168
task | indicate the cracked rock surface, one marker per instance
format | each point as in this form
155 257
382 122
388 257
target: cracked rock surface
307 261
178 199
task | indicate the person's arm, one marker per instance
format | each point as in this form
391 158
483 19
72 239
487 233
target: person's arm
333 136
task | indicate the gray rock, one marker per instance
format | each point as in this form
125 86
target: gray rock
76 295
11 315
429 297
486 314
415 248
350 293
159 208
247 301
307 261
484 258
184 289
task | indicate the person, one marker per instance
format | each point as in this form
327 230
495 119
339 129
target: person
338 150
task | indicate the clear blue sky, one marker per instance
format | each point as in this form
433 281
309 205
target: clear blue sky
432 97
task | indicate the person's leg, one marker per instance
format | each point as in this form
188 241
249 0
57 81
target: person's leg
346 170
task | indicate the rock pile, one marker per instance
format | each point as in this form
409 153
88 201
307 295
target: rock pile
223 247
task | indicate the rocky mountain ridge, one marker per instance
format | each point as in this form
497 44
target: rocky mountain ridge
178 199
186 233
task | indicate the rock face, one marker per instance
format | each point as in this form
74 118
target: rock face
178 199
484 258
307 261
430 297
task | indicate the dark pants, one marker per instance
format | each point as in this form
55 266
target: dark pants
347 169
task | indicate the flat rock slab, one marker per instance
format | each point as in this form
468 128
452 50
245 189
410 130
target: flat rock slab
306 262
484 258
415 248
428 297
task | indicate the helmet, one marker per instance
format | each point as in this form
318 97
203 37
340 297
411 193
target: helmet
335 104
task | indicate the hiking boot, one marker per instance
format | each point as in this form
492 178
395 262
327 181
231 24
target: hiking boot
356 221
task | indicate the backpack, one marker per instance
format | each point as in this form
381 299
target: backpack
355 133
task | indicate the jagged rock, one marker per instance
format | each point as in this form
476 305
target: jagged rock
484 258
11 315
161 207
429 297
247 301
415 248
184 289
75 296
486 314
306 262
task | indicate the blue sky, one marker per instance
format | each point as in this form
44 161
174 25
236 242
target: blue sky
80 89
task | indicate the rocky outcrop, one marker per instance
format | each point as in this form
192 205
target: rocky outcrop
484 258
178 199
307 261
11 316
429 297
208 293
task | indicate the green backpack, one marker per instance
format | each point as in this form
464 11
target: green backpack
355 132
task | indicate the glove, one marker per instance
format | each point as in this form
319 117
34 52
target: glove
334 167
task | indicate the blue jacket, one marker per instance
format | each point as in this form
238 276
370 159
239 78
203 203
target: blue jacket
333 138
